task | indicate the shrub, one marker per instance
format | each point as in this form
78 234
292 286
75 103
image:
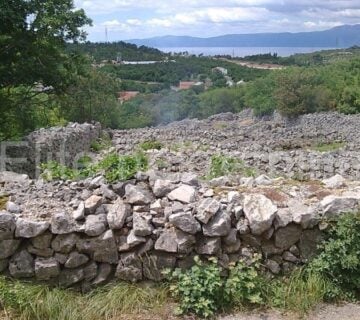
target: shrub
221 165
151 145
339 260
53 170
203 290
102 143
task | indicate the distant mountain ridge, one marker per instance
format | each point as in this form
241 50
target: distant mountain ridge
338 37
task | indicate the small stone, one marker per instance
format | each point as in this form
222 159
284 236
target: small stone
12 207
62 223
190 178
8 247
69 277
79 213
334 182
243 226
288 256
208 246
273 266
162 187
42 241
233 197
64 243
134 240
129 268
104 272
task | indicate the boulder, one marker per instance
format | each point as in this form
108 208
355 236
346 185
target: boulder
69 277
95 225
103 274
333 206
208 246
42 241
334 182
129 268
64 243
79 213
287 236
142 224
7 225
184 194
162 187
185 221
133 240
8 247
4 263
207 209
117 214
30 229
309 241
154 265
173 240
92 203
76 259
137 195
21 265
218 226
46 268
62 223
260 212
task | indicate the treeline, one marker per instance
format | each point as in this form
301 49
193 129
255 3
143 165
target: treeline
100 51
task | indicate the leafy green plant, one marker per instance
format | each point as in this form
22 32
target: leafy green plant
339 260
151 145
221 165
244 284
199 289
161 163
53 170
102 143
328 147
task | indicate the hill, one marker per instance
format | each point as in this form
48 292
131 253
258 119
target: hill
110 51
343 36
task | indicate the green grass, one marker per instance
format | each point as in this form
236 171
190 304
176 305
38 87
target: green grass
300 292
151 145
102 143
26 301
328 147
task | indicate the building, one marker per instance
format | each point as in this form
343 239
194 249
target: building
127 95
185 85
221 70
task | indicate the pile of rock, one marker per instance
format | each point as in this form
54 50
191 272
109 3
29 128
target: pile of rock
132 230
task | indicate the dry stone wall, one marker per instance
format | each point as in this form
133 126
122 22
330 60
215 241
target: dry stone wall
273 145
62 144
87 232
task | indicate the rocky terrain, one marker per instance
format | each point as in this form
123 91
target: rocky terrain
84 233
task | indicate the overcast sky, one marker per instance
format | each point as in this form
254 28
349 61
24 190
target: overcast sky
128 19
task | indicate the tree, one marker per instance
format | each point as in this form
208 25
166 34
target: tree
33 34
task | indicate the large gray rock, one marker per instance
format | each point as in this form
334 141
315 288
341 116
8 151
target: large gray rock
133 240
69 277
173 240
64 243
334 182
333 205
30 229
307 216
7 225
92 203
154 265
3 264
46 268
184 194
287 236
21 265
162 187
142 224
208 246
76 259
62 223
42 241
95 225
129 268
260 212
103 274
8 247
102 248
185 221
117 214
218 226
207 209
309 241
79 213
137 195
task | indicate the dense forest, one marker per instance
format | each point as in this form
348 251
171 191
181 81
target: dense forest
49 76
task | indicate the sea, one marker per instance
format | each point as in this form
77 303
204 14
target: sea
243 51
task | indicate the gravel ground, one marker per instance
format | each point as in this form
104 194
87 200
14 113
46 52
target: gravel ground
323 312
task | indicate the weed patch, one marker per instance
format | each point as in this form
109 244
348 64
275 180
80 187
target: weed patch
328 147
151 145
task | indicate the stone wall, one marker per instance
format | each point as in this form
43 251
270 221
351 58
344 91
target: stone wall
272 145
88 232
63 144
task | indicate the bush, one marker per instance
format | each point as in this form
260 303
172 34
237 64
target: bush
339 260
53 170
202 290
222 165
151 145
